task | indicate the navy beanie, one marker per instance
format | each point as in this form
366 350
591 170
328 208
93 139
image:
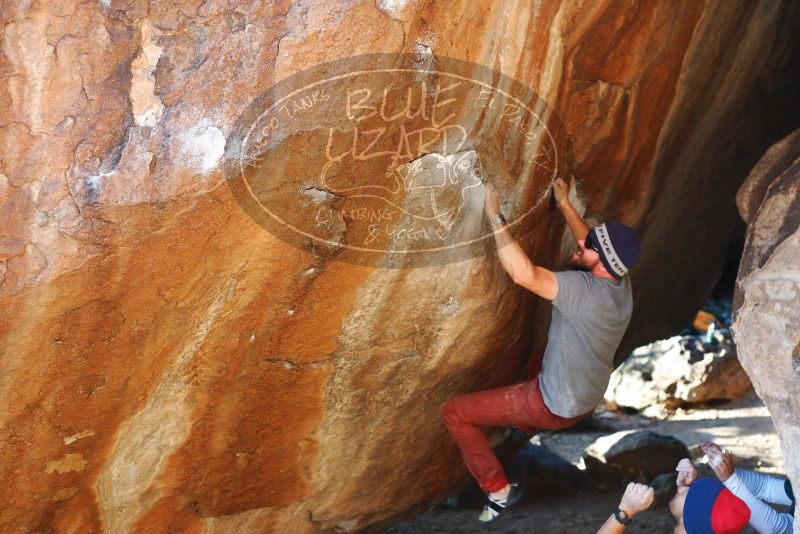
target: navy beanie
711 508
618 245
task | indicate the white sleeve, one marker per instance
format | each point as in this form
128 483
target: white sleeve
765 487
764 519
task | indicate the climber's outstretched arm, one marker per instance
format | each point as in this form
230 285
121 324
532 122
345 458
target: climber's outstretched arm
514 260
574 220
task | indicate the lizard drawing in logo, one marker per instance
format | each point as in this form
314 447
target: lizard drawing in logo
432 189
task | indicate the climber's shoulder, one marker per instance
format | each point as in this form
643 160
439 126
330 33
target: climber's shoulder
539 280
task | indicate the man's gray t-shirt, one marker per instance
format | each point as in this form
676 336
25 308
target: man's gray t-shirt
590 315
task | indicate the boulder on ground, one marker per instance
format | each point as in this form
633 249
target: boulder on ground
538 470
766 322
678 371
634 453
664 485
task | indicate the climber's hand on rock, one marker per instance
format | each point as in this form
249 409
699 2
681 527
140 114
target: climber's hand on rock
491 202
637 498
686 472
561 191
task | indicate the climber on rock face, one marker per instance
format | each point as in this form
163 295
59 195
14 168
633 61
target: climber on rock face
591 310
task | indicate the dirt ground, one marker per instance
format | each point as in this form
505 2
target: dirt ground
744 427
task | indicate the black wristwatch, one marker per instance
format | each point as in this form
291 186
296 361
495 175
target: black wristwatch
622 516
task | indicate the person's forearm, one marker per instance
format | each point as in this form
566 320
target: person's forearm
765 487
611 526
514 260
763 518
574 220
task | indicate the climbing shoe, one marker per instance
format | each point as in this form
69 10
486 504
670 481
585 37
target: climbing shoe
494 508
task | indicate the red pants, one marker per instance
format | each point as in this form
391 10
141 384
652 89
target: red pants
520 405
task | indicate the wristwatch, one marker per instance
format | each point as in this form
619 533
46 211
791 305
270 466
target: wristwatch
622 516
498 219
